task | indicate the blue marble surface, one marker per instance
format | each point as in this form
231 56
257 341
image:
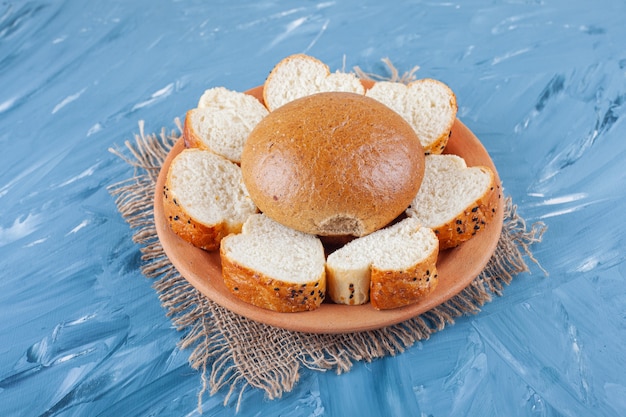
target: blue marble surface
542 83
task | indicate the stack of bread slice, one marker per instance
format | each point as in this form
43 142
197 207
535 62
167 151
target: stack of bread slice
272 266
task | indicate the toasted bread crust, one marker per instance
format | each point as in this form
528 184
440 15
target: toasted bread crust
190 136
473 219
266 292
204 236
393 289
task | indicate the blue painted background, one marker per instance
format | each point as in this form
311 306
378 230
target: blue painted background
542 83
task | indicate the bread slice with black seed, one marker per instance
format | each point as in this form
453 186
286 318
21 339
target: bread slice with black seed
392 267
455 200
302 75
273 266
222 122
428 105
204 198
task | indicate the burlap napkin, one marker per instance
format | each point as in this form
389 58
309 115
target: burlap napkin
232 352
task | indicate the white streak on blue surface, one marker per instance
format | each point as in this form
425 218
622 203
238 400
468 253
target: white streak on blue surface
67 100
94 129
35 242
578 351
318 36
7 104
498 59
605 259
21 227
324 5
582 198
568 198
80 226
279 15
569 210
515 22
86 173
290 27
158 95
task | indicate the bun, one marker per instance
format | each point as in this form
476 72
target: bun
428 105
204 198
333 164
222 122
301 75
392 267
456 201
274 267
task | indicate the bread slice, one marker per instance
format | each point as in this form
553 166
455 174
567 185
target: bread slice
393 267
301 75
428 105
454 200
222 122
274 267
204 198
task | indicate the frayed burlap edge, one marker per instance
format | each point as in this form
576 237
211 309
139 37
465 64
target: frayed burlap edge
232 352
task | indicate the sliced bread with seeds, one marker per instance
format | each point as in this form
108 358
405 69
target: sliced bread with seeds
428 105
301 75
273 266
455 200
204 198
222 122
392 267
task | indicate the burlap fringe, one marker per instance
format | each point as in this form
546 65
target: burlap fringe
234 353
394 74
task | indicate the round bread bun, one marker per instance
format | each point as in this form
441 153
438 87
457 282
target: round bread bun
333 164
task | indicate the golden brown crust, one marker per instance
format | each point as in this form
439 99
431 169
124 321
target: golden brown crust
473 219
266 292
333 164
393 289
438 146
190 136
204 236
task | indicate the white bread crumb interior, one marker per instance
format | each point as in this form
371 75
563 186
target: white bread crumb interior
272 249
210 188
447 189
428 105
224 119
301 75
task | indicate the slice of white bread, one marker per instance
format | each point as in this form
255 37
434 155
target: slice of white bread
301 75
428 105
274 267
222 122
455 200
204 198
394 267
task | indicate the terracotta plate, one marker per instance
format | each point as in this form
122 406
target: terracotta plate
457 267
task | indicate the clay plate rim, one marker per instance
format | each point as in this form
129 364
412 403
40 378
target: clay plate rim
457 267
